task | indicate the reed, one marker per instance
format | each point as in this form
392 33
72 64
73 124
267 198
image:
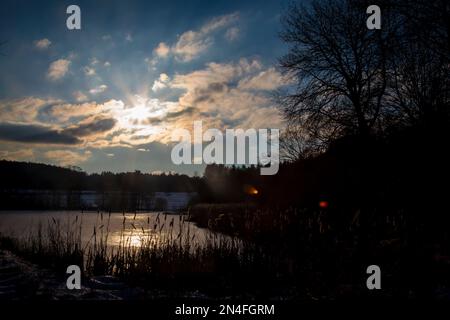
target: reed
264 250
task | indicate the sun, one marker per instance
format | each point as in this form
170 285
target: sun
140 120
139 112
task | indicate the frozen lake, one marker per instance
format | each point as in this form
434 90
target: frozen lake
115 228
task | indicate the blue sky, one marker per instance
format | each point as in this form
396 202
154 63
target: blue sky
107 97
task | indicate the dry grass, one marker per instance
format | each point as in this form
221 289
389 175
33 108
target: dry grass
169 254
289 253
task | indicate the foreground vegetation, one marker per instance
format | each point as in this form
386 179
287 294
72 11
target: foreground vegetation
171 260
284 254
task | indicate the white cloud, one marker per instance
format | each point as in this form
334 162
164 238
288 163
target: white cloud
89 71
192 43
80 96
164 77
221 94
42 44
107 64
269 79
106 37
129 37
99 89
232 34
161 82
162 50
58 69
224 95
219 22
216 73
158 85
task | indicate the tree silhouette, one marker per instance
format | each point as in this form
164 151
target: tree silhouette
420 64
338 67
351 80
296 144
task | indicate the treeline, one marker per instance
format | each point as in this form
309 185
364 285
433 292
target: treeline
26 175
405 170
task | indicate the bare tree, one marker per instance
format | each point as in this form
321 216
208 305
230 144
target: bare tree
338 66
297 143
420 65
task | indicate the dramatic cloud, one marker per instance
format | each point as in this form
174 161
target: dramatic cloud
64 112
35 134
171 115
90 127
100 96
24 110
132 126
58 69
229 95
223 95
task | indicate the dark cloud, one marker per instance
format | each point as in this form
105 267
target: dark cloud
29 133
176 114
226 122
217 87
153 121
96 126
207 94
171 115
35 134
139 137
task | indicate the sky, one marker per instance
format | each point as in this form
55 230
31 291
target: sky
107 97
